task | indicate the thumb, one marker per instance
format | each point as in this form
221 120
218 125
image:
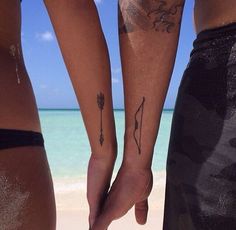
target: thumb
141 212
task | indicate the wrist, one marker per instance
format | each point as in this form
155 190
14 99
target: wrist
130 169
138 155
132 159
135 163
106 153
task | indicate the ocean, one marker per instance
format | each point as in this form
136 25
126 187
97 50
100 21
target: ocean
68 148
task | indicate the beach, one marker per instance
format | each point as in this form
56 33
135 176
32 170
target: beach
68 154
72 209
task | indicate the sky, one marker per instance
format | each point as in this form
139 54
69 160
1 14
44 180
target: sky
46 68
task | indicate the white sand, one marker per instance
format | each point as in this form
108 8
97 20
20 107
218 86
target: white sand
72 209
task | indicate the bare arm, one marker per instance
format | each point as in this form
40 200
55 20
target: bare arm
85 53
149 32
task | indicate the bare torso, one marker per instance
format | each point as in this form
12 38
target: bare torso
17 102
213 13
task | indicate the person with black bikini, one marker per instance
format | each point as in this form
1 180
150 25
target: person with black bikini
200 186
26 191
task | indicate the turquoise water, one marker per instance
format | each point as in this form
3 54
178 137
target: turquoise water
68 147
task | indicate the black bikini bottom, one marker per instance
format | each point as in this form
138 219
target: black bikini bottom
201 162
10 138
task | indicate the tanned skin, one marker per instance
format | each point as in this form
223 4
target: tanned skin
86 56
17 102
213 13
148 31
23 170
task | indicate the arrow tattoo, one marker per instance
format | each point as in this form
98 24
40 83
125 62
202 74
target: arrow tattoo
101 102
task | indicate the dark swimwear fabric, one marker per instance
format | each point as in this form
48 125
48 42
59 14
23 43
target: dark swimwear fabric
10 138
201 162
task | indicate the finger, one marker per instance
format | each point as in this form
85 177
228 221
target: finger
141 211
113 209
103 221
92 216
94 200
95 204
97 187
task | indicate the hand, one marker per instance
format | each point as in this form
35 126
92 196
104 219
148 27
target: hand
99 176
131 187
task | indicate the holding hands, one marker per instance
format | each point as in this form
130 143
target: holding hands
131 187
148 34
